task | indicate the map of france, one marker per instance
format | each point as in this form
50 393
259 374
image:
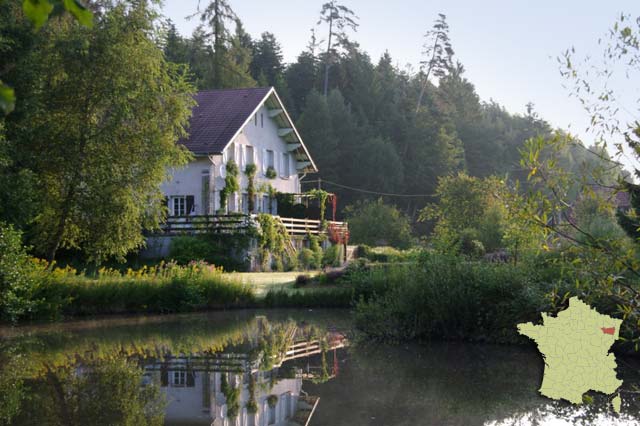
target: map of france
575 345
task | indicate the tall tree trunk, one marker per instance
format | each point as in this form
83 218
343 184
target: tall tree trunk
327 60
426 77
217 47
62 223
68 199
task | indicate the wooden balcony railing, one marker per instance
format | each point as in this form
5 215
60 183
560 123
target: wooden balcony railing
177 225
231 223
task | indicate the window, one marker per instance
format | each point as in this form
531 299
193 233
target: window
178 206
255 119
261 120
249 154
270 159
245 203
286 168
182 205
179 378
206 199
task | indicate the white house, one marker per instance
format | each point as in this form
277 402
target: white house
248 126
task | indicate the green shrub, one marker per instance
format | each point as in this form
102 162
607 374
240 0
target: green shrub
333 255
385 254
448 298
470 244
310 298
17 285
308 259
376 223
291 261
165 288
314 246
218 249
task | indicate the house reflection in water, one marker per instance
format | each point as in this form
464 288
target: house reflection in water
235 389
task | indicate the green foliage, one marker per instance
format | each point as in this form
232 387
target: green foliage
322 197
270 173
471 215
163 288
448 298
272 400
273 239
311 298
307 259
333 255
252 405
225 250
377 223
316 249
38 11
250 171
17 285
104 85
231 183
108 391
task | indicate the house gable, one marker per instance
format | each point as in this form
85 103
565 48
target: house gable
221 115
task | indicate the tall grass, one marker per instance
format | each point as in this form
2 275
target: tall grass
448 298
164 288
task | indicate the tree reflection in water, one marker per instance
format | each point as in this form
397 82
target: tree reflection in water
239 376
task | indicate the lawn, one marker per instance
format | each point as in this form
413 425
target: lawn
262 282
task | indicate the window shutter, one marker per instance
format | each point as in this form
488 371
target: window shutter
190 202
164 376
265 161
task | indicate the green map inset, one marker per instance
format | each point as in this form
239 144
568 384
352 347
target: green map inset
575 346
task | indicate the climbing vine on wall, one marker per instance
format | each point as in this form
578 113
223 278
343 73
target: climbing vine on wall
231 183
250 172
322 196
272 241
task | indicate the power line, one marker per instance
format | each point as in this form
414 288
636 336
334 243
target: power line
366 191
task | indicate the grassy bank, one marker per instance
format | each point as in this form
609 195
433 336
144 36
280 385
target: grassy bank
447 297
161 289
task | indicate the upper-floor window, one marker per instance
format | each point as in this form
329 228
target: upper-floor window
261 120
270 159
286 169
255 119
250 159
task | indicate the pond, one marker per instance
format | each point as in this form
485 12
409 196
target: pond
274 367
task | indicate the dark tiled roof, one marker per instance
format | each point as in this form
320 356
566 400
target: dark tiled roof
218 116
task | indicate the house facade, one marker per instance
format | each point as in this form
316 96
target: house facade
246 126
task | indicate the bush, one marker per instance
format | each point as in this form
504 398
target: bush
333 255
17 285
292 261
306 259
385 254
219 250
445 297
470 245
302 280
377 223
162 289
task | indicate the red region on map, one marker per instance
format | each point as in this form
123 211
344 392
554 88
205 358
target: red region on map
608 330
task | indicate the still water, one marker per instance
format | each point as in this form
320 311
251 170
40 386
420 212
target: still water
245 368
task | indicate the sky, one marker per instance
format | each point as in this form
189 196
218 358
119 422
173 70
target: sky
508 48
